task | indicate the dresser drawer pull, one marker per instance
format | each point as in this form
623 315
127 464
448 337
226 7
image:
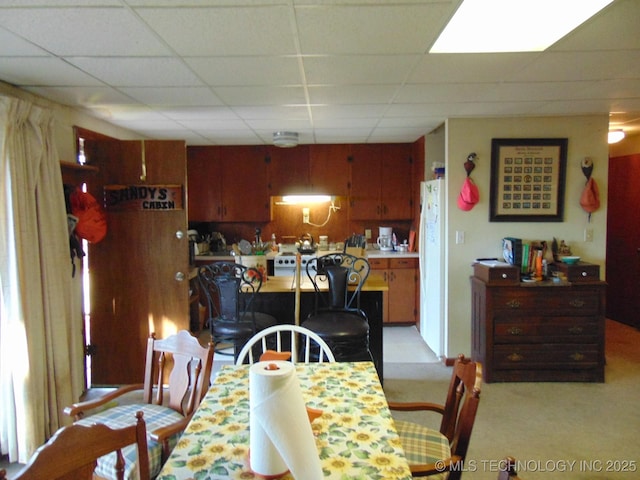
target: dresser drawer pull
584 274
576 329
515 331
576 302
513 304
515 357
578 357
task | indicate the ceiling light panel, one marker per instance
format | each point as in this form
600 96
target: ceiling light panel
513 25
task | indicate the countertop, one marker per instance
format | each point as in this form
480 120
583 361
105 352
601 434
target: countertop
374 253
375 283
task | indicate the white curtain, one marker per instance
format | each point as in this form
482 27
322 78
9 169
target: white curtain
41 364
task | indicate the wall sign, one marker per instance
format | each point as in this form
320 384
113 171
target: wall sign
143 197
527 179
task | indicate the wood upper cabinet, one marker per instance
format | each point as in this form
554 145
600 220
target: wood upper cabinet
381 182
288 169
227 184
329 169
366 176
395 188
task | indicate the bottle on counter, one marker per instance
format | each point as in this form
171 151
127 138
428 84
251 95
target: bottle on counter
274 244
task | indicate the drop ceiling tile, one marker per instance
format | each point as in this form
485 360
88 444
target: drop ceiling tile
616 27
270 125
440 92
346 123
211 125
234 137
489 67
358 69
352 95
172 96
246 96
138 72
238 30
321 112
28 71
244 71
83 31
13 46
273 112
371 28
199 113
84 96
579 66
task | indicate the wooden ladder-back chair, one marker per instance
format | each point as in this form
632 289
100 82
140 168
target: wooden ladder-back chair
337 318
73 451
181 361
422 444
297 343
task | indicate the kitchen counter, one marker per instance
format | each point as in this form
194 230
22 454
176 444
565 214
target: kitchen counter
381 254
375 283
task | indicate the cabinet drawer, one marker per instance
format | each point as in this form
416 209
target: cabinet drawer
546 330
504 274
378 263
580 272
546 356
403 263
547 301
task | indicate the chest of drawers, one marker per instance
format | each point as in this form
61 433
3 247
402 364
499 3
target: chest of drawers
540 332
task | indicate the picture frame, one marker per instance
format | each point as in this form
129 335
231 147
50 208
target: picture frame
527 179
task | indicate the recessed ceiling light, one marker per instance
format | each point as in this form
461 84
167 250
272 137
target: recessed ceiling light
493 26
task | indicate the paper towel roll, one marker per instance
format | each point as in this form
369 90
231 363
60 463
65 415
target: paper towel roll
280 434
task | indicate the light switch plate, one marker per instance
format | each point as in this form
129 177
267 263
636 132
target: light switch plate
459 237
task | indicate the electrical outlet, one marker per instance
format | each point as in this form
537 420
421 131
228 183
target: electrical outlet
367 233
305 215
588 234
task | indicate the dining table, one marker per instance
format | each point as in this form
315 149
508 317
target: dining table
355 433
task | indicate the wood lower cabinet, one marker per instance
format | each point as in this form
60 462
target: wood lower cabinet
401 276
541 333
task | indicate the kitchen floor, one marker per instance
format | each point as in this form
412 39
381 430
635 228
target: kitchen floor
400 344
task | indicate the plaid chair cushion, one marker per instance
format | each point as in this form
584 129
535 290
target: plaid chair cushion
120 416
423 445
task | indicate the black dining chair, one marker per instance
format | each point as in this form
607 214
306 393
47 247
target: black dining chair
337 318
230 289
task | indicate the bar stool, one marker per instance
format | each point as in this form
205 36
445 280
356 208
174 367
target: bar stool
230 289
337 318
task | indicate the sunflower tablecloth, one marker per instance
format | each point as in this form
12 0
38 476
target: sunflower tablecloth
355 435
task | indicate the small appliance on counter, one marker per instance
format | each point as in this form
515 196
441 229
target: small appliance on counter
385 239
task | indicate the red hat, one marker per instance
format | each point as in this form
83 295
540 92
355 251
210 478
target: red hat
469 195
590 198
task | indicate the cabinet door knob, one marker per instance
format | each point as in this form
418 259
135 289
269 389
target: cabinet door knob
179 277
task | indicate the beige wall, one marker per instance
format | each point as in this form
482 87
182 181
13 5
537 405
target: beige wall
587 138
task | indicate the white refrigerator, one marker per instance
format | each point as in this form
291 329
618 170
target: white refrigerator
432 245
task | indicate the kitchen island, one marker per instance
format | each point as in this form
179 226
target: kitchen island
277 298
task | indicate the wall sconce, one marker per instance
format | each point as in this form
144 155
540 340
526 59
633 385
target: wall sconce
615 136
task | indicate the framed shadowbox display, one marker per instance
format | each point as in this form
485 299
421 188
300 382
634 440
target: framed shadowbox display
527 179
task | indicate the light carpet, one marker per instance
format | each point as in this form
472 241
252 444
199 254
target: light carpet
573 431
